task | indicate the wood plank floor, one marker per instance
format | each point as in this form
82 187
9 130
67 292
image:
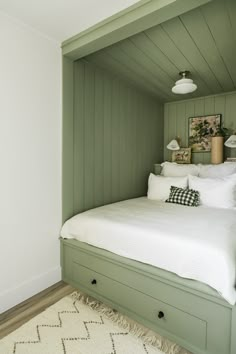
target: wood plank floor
18 315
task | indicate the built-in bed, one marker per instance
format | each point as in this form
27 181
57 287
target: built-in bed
111 138
186 311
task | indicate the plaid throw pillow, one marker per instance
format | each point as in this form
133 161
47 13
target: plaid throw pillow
183 196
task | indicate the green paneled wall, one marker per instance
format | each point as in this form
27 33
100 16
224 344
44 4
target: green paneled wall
118 136
176 116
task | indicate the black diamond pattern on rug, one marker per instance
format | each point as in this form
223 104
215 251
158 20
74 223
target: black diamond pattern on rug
72 327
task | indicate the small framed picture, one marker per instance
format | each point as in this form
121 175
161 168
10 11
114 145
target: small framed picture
182 155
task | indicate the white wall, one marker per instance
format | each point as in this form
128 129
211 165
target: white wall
62 19
30 162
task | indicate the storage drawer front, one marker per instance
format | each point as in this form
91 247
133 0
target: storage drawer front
174 321
186 315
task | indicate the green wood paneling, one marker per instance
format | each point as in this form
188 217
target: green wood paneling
107 138
199 30
177 30
118 136
78 144
223 34
202 41
132 20
176 116
98 139
149 68
136 68
112 65
67 138
89 136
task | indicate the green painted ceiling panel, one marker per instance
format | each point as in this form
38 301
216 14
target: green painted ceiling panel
202 41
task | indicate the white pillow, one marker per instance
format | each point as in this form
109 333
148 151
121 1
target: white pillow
215 192
159 186
214 171
172 169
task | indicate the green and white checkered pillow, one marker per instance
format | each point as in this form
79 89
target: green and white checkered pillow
182 196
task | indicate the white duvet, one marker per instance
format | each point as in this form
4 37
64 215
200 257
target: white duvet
194 242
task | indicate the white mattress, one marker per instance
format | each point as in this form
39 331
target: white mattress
195 243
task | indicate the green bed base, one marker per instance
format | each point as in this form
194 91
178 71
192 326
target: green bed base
185 311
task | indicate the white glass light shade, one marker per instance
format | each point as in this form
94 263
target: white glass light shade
231 142
184 86
173 145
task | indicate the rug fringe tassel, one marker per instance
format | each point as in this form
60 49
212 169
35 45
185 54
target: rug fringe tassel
146 335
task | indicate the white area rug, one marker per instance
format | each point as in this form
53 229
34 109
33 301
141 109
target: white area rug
78 325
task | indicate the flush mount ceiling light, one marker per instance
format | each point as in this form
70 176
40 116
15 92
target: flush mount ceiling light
184 85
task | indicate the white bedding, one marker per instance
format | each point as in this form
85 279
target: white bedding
196 243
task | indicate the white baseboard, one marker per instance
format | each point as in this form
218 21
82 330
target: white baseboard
12 297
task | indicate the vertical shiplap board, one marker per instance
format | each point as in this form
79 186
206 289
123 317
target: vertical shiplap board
175 125
98 139
123 146
107 138
130 145
89 137
166 130
67 138
78 144
117 137
180 123
139 142
134 113
230 118
159 136
171 127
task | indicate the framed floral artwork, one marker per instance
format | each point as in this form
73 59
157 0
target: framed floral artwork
182 155
201 129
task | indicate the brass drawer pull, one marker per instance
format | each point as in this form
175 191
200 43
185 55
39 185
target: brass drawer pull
161 314
94 281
